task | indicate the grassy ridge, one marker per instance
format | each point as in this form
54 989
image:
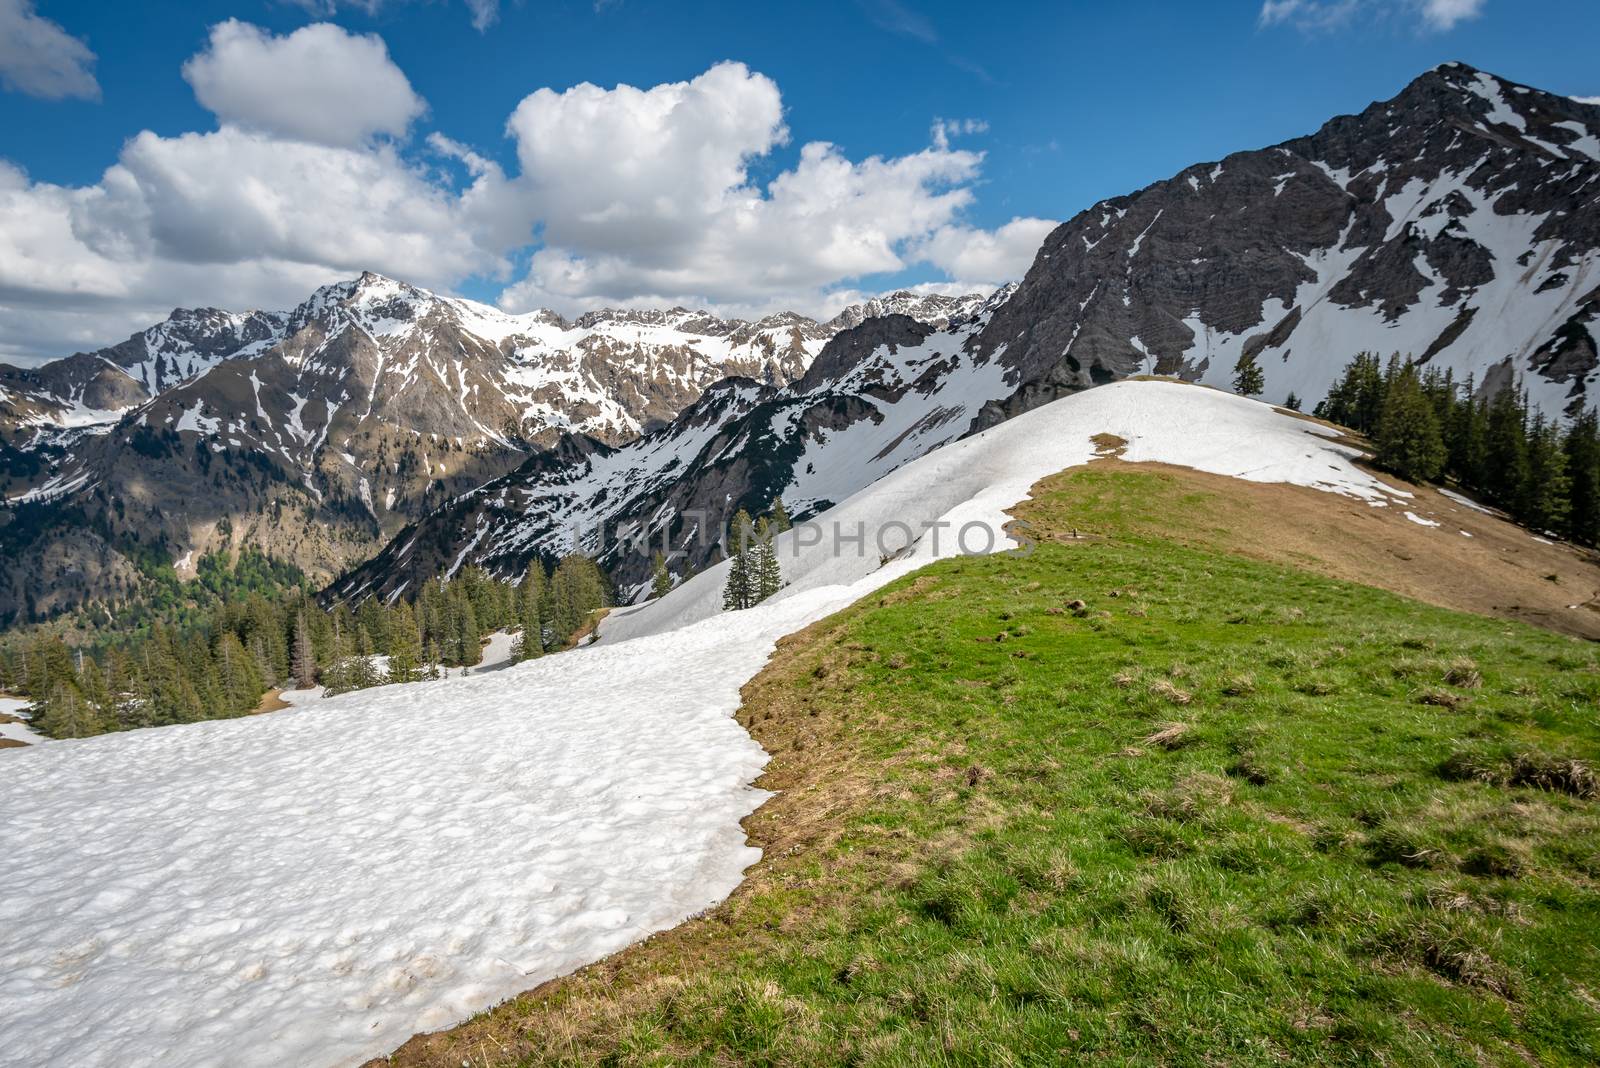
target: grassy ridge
1131 801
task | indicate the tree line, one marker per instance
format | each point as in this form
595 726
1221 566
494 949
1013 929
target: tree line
221 661
1425 426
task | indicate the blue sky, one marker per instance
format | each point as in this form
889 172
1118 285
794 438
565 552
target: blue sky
225 188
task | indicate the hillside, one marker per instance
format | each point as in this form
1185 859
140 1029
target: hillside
527 743
1136 797
1454 224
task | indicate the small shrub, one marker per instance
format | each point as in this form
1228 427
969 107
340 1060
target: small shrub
1440 698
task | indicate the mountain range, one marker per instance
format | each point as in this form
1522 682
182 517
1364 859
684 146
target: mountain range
1457 224
315 434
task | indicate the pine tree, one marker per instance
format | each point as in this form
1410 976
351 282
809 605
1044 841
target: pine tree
468 651
303 660
1542 502
1505 471
1292 402
660 577
766 574
1583 471
530 609
1408 439
405 644
780 516
577 589
739 591
1356 399
1248 378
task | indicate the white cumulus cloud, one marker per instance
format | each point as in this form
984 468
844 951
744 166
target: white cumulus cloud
319 83
40 58
986 257
618 196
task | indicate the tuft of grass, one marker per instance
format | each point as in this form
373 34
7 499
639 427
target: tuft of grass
1463 674
1170 736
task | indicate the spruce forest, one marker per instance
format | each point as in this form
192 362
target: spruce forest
1427 427
259 633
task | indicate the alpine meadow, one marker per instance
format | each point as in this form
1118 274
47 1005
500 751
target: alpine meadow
886 534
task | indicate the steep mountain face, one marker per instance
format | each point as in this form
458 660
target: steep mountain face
1455 224
319 432
878 395
1458 223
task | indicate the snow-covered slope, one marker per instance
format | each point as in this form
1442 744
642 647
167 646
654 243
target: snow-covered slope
310 887
954 500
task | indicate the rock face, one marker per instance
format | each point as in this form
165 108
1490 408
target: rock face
1455 224
1458 223
878 395
318 433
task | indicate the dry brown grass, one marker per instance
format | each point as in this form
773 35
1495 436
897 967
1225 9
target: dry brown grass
1168 692
1499 571
1170 736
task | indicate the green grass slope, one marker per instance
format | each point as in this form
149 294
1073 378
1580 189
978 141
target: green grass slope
1126 801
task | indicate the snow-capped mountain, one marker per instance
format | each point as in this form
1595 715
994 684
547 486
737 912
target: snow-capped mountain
1457 223
930 308
318 432
877 396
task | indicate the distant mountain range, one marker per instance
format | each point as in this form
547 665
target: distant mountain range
317 433
1458 224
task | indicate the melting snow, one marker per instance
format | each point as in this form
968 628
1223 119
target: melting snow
1463 500
1421 522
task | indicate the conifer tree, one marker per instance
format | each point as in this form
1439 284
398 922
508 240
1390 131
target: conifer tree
1248 378
779 516
1505 471
405 644
577 588
530 643
765 572
1292 402
303 660
1583 471
660 577
1543 501
739 590
1408 438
